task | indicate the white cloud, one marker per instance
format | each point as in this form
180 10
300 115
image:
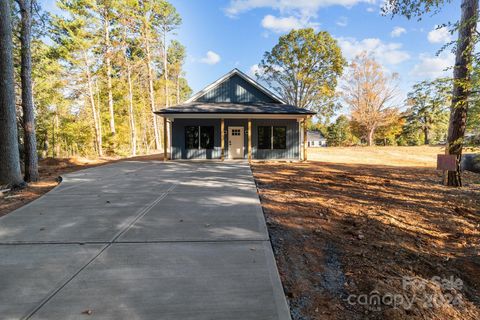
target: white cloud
371 9
304 7
254 70
211 58
433 66
285 24
397 32
342 21
439 35
386 53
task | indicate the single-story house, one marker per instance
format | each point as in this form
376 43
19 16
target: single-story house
235 118
315 139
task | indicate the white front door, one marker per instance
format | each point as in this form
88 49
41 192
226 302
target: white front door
235 142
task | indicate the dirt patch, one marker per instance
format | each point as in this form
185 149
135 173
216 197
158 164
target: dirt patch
373 231
50 170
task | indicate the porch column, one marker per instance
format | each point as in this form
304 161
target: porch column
305 139
249 140
222 139
165 139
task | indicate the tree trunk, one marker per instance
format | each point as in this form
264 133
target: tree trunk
461 87
98 133
178 89
108 62
30 140
10 173
151 90
165 67
426 137
131 116
371 133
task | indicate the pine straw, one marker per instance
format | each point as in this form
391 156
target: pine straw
342 229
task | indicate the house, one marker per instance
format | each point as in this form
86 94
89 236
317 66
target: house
235 118
315 139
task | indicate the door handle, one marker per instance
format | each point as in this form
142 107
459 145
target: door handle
229 142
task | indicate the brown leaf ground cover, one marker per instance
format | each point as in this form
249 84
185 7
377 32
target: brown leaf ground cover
361 241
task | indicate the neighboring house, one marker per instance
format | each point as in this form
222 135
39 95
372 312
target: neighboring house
235 118
315 139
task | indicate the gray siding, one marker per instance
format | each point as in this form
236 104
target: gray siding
235 90
178 139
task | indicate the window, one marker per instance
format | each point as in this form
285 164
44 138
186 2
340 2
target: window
264 137
206 137
236 132
191 137
272 137
199 137
279 137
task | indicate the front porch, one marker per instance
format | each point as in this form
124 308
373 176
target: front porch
234 138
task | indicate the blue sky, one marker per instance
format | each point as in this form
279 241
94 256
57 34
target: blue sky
224 34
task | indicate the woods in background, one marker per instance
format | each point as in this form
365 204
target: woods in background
100 70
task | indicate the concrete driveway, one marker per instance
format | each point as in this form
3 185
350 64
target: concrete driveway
142 240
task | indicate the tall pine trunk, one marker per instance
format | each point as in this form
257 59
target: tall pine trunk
165 68
131 115
108 62
10 173
30 140
178 89
461 87
151 91
98 133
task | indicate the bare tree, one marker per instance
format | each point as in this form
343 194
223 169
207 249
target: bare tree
10 173
369 93
30 140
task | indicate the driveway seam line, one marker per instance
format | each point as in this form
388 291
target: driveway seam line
139 215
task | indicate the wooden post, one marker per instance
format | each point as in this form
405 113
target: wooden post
222 139
249 140
305 140
165 139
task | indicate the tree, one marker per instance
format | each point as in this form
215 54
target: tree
105 7
428 103
389 133
339 133
467 38
30 140
77 38
176 59
369 93
304 67
10 173
168 20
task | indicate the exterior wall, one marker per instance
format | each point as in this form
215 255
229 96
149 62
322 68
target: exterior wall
178 139
235 90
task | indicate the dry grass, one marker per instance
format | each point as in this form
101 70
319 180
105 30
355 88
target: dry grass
359 226
421 156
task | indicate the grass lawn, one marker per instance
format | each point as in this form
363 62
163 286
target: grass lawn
354 224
